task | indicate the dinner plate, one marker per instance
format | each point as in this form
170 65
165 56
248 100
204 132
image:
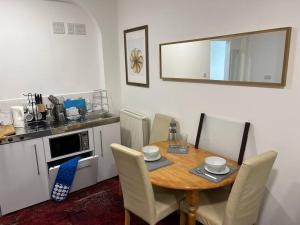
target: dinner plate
152 159
225 171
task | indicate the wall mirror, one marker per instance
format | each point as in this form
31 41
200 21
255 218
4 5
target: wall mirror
258 58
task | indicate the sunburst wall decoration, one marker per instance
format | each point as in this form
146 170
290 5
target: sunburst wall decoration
136 56
136 60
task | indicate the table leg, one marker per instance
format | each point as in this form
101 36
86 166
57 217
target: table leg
192 198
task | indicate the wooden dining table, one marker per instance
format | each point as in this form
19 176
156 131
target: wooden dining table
178 176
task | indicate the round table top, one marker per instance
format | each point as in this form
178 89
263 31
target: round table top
178 175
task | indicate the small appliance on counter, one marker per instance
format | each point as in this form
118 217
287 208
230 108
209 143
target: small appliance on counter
18 116
5 117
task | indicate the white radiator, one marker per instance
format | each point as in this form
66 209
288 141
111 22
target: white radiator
134 129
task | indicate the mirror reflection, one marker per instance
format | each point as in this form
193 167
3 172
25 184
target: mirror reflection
255 57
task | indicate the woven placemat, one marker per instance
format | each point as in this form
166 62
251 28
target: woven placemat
202 172
158 163
178 149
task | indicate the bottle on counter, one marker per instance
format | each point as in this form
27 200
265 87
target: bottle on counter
172 134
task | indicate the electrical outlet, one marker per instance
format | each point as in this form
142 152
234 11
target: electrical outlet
71 28
58 27
80 29
268 77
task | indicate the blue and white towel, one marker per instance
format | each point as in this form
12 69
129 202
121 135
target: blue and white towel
64 179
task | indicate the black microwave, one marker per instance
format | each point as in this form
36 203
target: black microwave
67 144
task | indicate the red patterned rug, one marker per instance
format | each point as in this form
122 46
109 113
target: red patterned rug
96 205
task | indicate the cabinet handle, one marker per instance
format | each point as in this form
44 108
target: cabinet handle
101 143
83 166
36 159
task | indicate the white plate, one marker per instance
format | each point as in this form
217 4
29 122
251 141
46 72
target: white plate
152 159
226 170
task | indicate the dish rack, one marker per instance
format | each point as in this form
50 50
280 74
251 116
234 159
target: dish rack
100 101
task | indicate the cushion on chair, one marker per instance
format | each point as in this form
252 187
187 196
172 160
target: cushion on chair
166 201
136 187
212 205
247 192
241 207
148 202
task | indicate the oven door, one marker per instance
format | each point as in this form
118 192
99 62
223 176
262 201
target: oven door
85 176
68 144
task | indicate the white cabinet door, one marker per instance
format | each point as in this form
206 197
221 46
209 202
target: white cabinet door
23 175
85 176
104 136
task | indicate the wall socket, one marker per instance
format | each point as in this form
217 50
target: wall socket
58 27
71 28
80 29
268 77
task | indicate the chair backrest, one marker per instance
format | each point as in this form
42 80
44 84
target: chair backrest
160 128
223 136
247 192
136 187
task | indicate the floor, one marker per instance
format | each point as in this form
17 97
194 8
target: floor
96 205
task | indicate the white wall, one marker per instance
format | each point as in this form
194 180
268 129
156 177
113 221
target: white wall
274 113
33 59
104 13
95 66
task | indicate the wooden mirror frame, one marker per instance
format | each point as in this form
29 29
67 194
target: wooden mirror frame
282 84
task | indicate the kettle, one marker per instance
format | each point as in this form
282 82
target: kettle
18 116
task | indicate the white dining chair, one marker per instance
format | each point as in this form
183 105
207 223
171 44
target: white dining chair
226 137
241 205
148 202
160 128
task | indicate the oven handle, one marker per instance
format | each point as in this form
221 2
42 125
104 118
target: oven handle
36 159
101 143
83 166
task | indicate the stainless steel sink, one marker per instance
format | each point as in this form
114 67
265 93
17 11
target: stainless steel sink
94 116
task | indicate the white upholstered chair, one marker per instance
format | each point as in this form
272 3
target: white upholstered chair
148 202
223 136
241 205
160 128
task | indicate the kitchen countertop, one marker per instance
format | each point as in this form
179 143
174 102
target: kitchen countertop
47 129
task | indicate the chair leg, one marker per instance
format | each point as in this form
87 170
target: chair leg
182 218
127 217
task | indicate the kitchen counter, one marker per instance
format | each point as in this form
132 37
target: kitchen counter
46 129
